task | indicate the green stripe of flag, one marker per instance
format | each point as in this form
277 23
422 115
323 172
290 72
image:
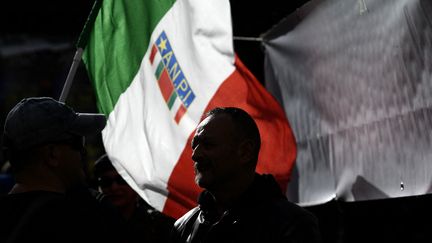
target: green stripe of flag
117 44
172 99
159 69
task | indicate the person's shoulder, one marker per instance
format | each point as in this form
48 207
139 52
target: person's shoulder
14 206
292 221
293 211
34 200
36 215
186 218
275 203
301 225
183 225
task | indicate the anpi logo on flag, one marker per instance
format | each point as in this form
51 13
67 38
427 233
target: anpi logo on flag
173 84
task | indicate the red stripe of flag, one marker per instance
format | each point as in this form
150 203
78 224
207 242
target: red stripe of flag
181 111
153 53
165 85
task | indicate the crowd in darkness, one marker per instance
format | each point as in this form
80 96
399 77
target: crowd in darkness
52 201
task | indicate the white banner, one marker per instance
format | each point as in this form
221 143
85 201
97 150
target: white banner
355 80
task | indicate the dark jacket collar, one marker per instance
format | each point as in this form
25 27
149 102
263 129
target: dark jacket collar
264 188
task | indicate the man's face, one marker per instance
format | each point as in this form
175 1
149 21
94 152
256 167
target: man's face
215 152
71 167
116 189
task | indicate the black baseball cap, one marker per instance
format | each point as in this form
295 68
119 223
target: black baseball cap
40 120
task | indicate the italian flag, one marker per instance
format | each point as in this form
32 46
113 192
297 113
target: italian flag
157 66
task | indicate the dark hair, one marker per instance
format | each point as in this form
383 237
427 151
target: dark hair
102 165
245 125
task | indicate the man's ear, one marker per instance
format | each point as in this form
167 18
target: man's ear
52 155
246 151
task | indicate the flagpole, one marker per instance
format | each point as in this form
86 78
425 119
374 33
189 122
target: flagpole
72 71
82 41
245 38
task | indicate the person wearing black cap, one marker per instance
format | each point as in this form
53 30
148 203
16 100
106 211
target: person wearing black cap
50 202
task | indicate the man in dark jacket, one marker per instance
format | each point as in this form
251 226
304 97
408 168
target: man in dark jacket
238 204
50 201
